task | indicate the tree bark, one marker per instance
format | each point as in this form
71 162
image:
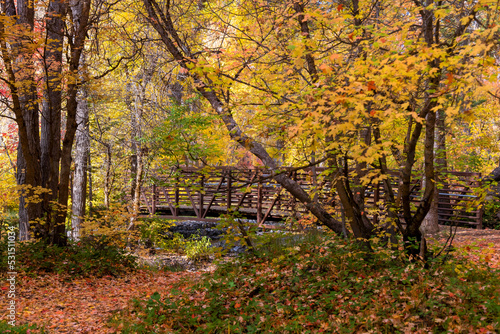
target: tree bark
40 156
81 159
51 114
79 35
20 72
82 152
430 225
107 178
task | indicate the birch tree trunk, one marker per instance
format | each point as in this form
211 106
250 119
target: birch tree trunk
81 160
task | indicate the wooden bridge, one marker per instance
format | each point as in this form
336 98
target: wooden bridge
204 194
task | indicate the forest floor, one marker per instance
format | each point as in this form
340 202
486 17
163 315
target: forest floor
85 305
479 245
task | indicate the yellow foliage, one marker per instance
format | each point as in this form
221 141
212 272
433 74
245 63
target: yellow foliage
113 223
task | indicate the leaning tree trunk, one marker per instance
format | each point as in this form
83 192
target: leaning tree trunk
163 24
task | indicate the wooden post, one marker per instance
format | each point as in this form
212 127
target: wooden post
229 193
155 198
176 189
259 202
200 196
376 197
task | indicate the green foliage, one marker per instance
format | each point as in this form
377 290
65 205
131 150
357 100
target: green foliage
6 328
275 245
331 286
199 248
237 232
154 232
490 215
176 244
88 257
9 221
151 315
184 133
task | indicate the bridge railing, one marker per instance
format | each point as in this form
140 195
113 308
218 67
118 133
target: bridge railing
206 193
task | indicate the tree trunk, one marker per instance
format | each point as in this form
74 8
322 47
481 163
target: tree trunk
430 225
79 33
135 100
20 72
40 157
89 179
51 115
107 178
81 159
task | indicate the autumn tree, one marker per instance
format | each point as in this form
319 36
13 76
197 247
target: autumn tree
363 80
33 39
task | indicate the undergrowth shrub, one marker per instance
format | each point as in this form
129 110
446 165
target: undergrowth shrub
236 231
199 248
111 223
155 233
330 285
92 256
491 218
175 244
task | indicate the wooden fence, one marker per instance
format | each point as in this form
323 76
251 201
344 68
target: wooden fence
203 194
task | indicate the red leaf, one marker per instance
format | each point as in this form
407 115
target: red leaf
449 78
371 85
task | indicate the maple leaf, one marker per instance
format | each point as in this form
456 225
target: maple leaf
326 69
449 78
371 85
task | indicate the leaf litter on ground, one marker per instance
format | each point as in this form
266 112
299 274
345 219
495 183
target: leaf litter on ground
268 292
